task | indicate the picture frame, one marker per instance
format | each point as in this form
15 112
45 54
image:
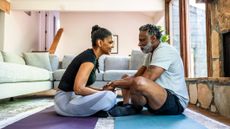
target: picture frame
115 42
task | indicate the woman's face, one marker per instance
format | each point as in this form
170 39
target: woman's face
107 45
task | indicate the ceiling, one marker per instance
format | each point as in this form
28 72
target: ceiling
146 6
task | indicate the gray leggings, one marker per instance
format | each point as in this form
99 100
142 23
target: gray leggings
70 104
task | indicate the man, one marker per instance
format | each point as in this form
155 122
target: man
159 84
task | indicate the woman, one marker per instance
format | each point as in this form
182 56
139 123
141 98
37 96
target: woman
76 97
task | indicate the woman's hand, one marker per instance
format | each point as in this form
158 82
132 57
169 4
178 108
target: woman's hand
109 86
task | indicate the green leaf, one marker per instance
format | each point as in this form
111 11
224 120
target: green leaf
164 38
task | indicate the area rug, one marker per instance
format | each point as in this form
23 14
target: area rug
21 107
156 122
48 119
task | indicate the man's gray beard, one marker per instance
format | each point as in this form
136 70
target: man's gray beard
147 48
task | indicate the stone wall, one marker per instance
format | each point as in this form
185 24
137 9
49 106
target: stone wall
212 94
220 23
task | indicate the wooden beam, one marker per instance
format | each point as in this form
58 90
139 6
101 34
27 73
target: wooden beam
167 16
5 6
168 1
200 1
208 38
56 41
203 1
183 12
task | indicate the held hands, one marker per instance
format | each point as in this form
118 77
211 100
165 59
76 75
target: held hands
109 86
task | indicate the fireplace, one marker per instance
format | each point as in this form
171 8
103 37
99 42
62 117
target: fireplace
226 53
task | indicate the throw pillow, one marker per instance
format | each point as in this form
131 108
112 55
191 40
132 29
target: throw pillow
116 63
12 58
137 59
67 59
1 58
40 60
101 62
54 61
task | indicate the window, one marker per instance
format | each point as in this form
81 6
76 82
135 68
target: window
175 25
196 51
197 39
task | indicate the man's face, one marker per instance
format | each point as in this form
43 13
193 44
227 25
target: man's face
144 42
143 39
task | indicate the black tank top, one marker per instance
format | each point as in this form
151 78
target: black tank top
67 81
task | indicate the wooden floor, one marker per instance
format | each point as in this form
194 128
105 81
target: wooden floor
211 115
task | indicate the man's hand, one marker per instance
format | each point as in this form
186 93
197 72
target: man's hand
109 86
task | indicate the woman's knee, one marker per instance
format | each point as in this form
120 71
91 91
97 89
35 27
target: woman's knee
110 96
109 100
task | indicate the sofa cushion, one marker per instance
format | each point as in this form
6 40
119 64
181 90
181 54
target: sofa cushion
58 74
56 83
117 74
116 63
12 58
67 59
54 62
1 58
137 59
10 72
99 76
40 60
101 62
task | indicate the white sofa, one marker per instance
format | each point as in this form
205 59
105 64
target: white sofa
20 75
111 67
35 72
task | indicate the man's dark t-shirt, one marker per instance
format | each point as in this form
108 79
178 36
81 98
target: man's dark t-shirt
67 81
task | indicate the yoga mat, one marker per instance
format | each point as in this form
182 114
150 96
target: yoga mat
48 119
156 122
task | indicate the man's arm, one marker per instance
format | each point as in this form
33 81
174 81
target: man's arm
153 72
140 71
125 82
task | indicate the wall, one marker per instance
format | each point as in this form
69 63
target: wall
2 22
220 23
20 32
212 94
47 22
77 29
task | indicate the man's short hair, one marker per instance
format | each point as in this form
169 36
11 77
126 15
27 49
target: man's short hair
152 30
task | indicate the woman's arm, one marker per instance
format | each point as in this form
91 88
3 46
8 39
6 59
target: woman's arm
122 83
95 88
82 78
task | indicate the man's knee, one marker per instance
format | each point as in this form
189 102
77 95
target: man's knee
124 76
139 83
